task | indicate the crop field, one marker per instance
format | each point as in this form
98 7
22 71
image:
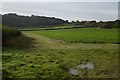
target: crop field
63 53
84 35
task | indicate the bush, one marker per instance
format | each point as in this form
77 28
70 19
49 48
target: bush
9 33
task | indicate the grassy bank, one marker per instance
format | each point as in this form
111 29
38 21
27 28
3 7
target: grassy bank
10 36
14 38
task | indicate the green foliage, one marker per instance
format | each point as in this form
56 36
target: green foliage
14 20
84 35
23 22
9 33
5 74
14 38
100 24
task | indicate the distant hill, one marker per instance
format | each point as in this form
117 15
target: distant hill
33 21
14 20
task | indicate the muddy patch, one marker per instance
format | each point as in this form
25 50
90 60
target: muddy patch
85 66
88 65
73 71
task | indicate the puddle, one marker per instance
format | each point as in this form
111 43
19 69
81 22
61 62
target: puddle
73 71
88 65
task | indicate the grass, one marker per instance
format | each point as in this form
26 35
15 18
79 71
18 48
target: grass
62 27
52 58
84 35
10 36
9 32
47 28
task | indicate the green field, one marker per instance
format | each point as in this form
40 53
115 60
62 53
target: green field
84 35
52 53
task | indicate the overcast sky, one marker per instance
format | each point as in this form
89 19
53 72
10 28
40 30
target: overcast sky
65 10
60 0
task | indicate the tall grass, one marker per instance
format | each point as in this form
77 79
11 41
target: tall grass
8 34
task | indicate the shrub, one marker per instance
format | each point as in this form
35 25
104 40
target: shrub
9 33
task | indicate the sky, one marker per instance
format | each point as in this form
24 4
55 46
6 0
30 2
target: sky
105 11
60 0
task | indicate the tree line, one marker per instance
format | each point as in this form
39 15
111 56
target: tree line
100 24
14 20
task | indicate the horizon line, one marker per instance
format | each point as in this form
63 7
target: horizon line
55 17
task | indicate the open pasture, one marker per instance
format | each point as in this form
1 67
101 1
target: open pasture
84 35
